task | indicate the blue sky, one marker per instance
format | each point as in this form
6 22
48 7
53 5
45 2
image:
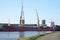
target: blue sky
47 9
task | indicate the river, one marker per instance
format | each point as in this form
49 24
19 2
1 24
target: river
15 35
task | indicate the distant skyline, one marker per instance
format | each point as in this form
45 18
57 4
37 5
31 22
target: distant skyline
47 9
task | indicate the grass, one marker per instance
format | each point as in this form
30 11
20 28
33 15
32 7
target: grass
32 37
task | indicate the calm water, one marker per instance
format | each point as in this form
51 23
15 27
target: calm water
15 35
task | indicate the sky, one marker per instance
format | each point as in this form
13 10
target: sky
47 9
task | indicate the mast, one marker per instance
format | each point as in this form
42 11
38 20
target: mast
8 22
8 25
38 24
22 21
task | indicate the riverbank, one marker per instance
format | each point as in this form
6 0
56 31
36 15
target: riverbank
52 36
